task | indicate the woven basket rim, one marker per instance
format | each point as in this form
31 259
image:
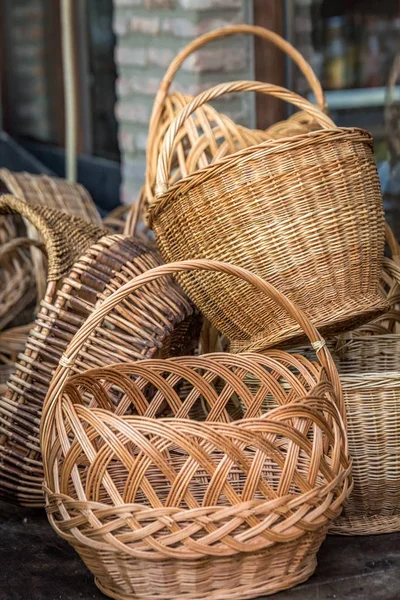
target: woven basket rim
369 380
274 146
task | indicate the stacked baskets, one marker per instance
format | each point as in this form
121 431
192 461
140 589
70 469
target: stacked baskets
181 475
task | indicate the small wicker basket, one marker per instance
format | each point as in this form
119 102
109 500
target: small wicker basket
160 321
290 210
159 505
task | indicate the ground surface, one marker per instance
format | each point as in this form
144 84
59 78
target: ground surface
36 565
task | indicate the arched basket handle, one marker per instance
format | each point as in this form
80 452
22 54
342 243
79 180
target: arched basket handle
65 236
223 32
96 318
165 157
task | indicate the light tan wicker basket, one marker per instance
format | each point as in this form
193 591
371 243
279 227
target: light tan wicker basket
175 508
290 210
158 322
373 424
208 135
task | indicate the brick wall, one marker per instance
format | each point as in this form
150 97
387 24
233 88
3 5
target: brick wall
149 34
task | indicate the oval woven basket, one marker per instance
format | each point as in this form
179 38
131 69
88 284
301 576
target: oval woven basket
160 505
158 322
289 209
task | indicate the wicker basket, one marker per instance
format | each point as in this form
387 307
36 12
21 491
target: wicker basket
208 135
373 421
52 192
369 363
160 321
17 281
368 360
290 210
161 506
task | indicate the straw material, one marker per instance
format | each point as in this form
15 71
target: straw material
64 236
304 212
369 363
161 506
368 360
159 321
56 240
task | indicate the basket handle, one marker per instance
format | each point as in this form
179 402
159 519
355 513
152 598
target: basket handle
65 236
164 159
96 317
228 31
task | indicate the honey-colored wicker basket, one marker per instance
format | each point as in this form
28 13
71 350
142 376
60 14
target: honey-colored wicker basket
290 210
373 414
159 505
158 322
208 135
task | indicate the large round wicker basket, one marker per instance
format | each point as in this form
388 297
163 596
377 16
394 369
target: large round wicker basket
160 505
159 322
288 209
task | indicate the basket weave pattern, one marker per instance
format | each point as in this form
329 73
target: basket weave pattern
373 419
165 485
51 192
208 507
284 210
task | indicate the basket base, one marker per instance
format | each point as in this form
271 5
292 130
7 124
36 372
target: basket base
238 578
365 525
350 320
